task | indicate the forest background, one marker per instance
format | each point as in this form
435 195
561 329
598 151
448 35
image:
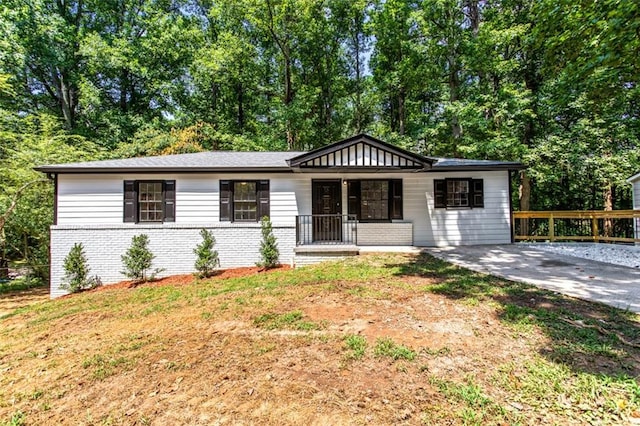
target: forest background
552 83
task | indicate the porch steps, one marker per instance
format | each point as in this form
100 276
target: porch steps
312 254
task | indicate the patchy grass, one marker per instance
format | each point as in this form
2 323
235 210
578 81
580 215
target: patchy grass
386 347
22 283
290 320
292 347
357 346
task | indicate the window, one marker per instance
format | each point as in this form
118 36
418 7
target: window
149 201
375 200
244 201
459 193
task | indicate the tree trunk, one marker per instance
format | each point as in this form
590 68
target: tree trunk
65 95
240 93
454 85
124 88
401 112
358 106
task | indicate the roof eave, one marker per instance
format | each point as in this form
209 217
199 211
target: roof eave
633 178
163 169
479 168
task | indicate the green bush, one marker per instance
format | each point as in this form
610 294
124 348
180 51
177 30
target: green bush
138 260
269 252
207 258
76 271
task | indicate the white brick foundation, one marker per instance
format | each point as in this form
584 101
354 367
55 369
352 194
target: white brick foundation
385 234
172 244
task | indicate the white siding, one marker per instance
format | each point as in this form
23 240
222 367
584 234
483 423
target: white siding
488 225
98 200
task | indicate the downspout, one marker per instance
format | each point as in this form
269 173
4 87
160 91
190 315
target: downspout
511 221
54 178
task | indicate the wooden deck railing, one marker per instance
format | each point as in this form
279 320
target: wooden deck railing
578 225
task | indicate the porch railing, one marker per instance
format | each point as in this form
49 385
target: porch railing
330 229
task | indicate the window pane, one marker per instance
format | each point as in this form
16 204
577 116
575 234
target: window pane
457 193
245 205
374 199
150 202
244 191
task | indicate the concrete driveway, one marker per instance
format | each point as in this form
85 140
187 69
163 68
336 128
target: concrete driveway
618 286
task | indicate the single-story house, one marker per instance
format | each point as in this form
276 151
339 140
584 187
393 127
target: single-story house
635 191
330 201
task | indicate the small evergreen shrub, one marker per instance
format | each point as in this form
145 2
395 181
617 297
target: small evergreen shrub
269 252
76 271
138 260
207 258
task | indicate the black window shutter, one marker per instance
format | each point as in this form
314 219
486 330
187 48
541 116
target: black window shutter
225 200
440 193
477 193
353 196
130 201
169 200
395 196
263 198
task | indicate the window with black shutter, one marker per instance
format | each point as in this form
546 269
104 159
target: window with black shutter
452 193
375 199
244 201
149 201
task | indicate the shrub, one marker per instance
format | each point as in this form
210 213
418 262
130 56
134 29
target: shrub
269 252
76 271
207 258
138 259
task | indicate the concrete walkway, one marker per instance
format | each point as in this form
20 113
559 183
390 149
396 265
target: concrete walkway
618 286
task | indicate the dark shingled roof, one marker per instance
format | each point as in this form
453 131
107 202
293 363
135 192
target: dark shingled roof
452 164
233 161
197 162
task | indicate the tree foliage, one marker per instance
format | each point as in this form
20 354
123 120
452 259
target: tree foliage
76 271
269 253
206 257
138 260
553 83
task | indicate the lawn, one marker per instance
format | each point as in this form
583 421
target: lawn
375 339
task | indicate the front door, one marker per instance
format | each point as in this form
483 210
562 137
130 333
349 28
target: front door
326 210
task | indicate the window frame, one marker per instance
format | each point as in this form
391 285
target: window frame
475 194
227 210
132 202
395 200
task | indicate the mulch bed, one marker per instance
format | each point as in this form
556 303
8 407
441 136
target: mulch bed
187 279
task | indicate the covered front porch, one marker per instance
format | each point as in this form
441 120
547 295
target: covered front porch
326 230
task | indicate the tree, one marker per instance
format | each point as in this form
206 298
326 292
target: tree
269 253
207 258
138 259
76 277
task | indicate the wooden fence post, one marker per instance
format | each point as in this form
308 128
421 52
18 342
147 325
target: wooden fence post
551 230
594 229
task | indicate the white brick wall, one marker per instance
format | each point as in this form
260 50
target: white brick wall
172 244
385 234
